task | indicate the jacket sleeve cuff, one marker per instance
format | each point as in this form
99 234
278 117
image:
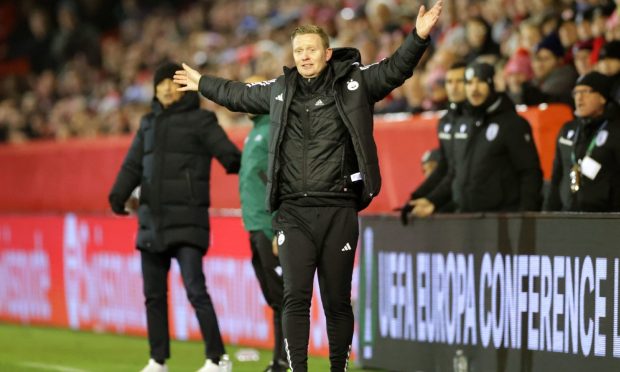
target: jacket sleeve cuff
419 40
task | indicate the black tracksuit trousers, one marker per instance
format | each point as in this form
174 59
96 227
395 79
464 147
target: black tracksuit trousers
322 240
155 267
269 274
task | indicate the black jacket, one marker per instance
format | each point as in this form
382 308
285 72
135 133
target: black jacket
316 153
496 166
601 194
445 132
170 158
355 90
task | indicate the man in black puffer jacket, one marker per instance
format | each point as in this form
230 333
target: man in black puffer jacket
170 159
323 167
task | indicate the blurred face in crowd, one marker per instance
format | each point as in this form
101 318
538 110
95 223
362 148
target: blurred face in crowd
568 34
588 103
514 81
310 55
529 36
608 66
455 84
477 91
167 93
582 61
544 62
584 30
476 33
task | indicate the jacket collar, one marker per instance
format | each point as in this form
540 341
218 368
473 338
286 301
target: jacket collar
189 101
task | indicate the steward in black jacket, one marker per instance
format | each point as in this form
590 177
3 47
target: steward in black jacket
496 166
586 168
455 88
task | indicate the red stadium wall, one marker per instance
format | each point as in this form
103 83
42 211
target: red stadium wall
75 176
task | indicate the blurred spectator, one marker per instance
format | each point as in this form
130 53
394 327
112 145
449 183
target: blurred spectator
479 39
517 71
553 78
609 65
586 168
74 37
530 35
105 51
582 56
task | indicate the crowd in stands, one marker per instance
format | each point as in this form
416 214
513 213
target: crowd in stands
74 68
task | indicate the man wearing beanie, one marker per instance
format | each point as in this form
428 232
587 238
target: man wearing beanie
586 168
609 65
170 159
553 78
455 89
496 166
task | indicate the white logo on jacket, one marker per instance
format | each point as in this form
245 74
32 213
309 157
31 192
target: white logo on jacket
570 134
280 97
601 138
352 85
281 238
492 131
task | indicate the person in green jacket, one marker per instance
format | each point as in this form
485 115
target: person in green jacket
257 221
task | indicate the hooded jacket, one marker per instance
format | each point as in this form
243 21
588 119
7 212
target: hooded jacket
170 158
355 89
496 166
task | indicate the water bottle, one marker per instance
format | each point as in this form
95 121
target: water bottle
225 364
459 362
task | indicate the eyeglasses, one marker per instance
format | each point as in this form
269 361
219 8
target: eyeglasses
577 92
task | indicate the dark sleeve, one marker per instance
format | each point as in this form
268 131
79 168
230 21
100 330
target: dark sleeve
524 157
441 195
431 182
553 202
219 145
237 96
129 175
382 77
532 95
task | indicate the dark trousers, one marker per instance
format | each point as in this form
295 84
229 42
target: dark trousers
322 240
155 267
269 274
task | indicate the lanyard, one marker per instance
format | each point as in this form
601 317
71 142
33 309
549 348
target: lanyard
573 156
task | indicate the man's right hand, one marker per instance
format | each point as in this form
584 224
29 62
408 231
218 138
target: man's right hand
422 207
187 78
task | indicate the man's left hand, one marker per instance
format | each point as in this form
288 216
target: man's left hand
427 19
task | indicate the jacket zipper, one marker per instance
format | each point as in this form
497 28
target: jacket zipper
189 184
306 133
356 145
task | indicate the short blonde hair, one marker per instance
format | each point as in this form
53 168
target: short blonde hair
311 29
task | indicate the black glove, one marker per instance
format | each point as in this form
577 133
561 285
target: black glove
405 210
117 207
